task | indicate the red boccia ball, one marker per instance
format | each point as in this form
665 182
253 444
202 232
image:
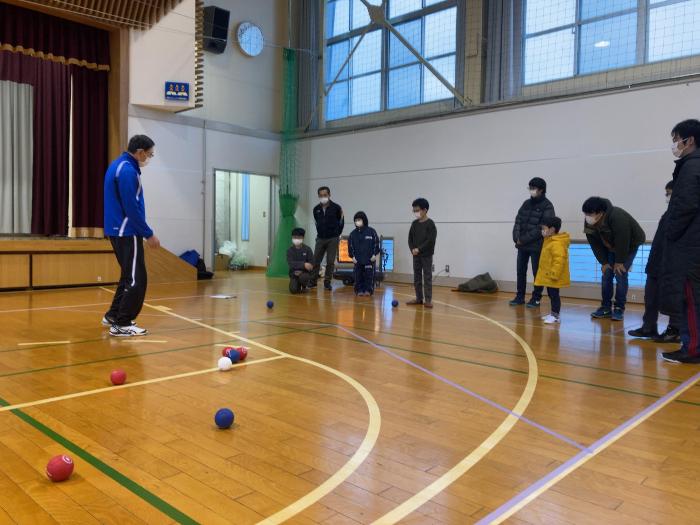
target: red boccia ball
118 377
243 351
59 468
226 350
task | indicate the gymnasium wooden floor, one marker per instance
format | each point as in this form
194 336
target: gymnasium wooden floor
347 411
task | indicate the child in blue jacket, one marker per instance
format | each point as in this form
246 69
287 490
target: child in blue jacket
364 248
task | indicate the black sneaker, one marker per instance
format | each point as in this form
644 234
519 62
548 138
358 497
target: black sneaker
669 336
602 313
533 303
618 314
327 286
642 333
681 356
517 301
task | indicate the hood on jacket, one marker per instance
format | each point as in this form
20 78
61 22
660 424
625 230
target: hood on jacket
361 215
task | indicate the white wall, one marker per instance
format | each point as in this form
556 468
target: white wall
160 54
474 170
245 90
179 181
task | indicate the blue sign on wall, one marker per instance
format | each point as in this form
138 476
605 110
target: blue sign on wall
177 91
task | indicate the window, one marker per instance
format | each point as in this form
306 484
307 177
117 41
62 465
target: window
245 207
585 268
382 73
565 38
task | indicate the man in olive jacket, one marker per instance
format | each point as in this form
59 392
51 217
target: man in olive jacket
614 236
527 236
680 278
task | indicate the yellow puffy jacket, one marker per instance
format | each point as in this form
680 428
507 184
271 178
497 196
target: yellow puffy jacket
554 262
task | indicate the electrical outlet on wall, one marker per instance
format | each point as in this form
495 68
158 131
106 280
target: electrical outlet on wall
447 268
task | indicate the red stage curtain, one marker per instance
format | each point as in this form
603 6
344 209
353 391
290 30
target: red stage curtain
38 49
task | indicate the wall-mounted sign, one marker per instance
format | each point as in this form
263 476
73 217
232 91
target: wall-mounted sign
177 91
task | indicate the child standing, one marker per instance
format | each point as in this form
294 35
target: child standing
421 241
300 258
364 248
553 271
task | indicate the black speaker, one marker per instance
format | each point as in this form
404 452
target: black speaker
215 29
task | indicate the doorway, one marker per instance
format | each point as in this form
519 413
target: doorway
242 220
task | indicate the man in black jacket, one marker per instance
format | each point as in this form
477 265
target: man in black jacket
527 236
299 259
680 281
652 295
615 237
330 222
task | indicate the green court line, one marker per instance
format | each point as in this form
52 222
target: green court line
124 481
314 331
457 345
119 358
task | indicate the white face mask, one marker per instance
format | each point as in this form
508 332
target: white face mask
359 224
544 233
324 200
534 193
417 214
145 162
676 148
668 199
297 242
591 220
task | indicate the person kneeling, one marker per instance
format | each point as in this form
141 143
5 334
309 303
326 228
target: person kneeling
300 258
364 248
553 271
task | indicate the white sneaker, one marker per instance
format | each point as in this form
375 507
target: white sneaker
127 331
551 319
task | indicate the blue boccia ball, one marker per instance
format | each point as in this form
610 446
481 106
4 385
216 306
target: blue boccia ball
234 355
394 303
270 304
224 418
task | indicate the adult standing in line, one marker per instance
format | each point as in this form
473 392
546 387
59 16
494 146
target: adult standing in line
125 225
330 222
527 236
680 281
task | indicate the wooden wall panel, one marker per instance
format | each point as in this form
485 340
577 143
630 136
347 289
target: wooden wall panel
69 269
14 271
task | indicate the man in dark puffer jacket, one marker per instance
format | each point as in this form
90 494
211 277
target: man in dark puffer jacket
527 236
680 280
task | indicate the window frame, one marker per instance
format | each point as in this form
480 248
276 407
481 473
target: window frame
643 12
381 114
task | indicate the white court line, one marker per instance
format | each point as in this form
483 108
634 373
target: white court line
132 340
44 343
130 385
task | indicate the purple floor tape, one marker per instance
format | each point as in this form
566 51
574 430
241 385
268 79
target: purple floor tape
459 387
516 500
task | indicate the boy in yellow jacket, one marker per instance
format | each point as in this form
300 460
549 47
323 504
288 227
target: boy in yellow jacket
553 271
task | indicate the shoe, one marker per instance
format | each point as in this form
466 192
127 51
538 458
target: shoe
551 319
327 286
602 313
533 303
517 302
109 321
414 302
427 305
311 285
127 331
669 336
681 356
641 333
618 314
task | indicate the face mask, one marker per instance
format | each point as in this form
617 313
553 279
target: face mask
676 148
534 193
591 220
359 224
324 200
297 242
544 233
145 162
417 214
668 199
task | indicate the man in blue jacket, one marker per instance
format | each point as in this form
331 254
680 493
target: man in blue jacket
125 225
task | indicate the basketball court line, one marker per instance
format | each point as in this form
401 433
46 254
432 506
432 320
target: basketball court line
363 450
46 343
522 499
84 393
